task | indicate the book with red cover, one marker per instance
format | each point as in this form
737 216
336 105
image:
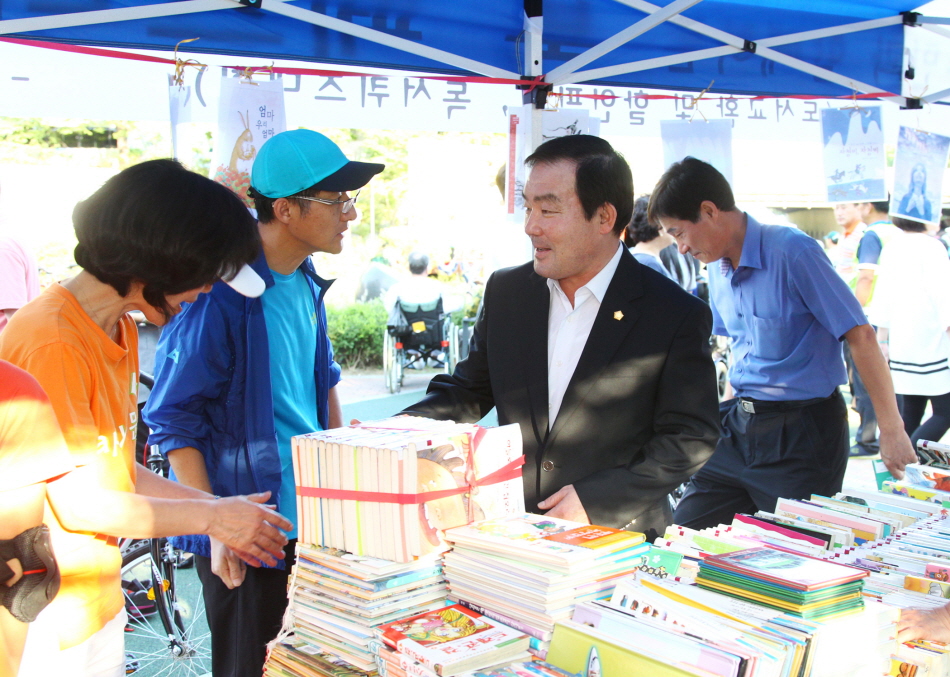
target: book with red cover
454 639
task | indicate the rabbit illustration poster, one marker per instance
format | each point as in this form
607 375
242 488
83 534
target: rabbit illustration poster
249 113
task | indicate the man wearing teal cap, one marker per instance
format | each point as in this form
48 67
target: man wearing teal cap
237 377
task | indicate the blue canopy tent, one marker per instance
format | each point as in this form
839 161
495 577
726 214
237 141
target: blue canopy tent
768 47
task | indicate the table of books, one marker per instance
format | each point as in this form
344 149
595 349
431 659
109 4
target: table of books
472 585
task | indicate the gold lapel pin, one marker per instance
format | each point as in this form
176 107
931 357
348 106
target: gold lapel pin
618 315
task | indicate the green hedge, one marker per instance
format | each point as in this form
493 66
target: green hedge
356 332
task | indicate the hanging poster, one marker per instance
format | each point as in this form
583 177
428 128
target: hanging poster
706 140
554 123
249 113
853 142
918 175
179 100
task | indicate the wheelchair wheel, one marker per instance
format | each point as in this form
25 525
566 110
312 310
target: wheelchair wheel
392 363
452 350
389 349
399 357
722 377
393 359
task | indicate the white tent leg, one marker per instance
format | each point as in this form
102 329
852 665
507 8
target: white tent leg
534 66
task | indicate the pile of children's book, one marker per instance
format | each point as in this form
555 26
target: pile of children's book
448 642
339 599
649 623
389 488
841 529
927 480
529 571
811 589
803 586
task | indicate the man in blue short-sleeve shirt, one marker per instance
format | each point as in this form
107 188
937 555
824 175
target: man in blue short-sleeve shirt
774 292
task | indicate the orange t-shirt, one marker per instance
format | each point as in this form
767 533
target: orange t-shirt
92 383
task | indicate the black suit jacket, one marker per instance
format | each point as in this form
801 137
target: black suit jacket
640 414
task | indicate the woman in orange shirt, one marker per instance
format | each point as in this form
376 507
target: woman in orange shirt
152 238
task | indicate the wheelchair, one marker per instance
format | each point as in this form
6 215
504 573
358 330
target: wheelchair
428 337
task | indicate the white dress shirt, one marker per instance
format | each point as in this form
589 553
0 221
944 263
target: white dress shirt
569 327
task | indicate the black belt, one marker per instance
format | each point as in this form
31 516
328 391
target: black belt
751 406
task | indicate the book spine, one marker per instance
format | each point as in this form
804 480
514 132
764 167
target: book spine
406 647
413 667
502 618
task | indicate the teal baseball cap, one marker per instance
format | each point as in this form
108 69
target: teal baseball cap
298 159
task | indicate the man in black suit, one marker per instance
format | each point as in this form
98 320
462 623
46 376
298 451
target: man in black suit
603 362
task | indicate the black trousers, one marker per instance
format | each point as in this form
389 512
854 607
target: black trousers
785 450
243 620
912 411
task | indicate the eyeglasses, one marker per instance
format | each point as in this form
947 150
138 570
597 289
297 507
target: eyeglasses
347 204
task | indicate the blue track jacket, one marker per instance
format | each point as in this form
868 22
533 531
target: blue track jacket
213 390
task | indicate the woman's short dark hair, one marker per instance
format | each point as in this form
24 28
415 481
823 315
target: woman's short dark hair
166 227
641 229
601 174
685 186
908 225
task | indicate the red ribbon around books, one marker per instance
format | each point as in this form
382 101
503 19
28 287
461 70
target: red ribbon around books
503 474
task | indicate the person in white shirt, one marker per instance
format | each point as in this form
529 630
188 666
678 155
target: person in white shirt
911 309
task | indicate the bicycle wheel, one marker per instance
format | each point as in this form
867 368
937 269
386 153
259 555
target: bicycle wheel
167 633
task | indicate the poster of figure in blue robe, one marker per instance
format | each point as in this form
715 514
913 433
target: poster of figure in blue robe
854 154
918 175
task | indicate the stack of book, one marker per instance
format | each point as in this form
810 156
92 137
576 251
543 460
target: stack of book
448 642
388 488
908 570
340 599
529 571
927 480
293 657
804 586
662 627
904 569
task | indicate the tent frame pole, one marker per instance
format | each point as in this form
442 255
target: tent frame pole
762 49
101 16
649 22
646 64
534 67
309 16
